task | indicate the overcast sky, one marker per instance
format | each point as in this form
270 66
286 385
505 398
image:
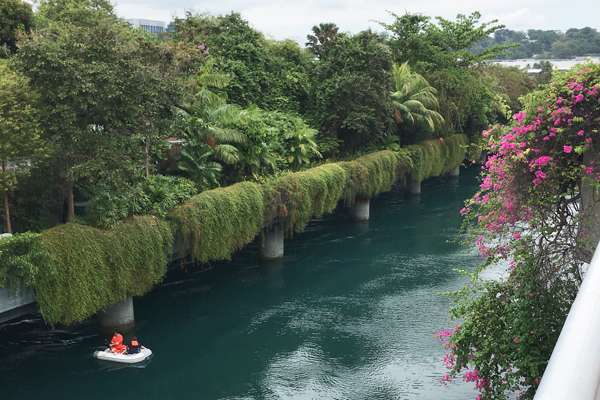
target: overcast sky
294 20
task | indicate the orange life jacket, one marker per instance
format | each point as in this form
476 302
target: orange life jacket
134 343
117 339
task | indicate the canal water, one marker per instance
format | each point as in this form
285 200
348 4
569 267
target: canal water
349 314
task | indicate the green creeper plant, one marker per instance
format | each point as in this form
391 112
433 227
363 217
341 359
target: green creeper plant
215 223
75 271
435 157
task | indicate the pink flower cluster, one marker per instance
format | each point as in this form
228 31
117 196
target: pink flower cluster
543 139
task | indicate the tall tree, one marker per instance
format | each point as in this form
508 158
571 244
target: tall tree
19 134
264 73
350 96
323 37
96 89
443 45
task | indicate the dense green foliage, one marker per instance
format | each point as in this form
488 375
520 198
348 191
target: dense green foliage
19 132
15 16
295 198
415 103
156 195
98 93
436 157
24 260
215 223
465 101
442 53
382 170
441 45
350 100
75 270
544 44
507 84
271 75
36 202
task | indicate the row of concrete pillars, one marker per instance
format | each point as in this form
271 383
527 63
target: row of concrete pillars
272 244
120 317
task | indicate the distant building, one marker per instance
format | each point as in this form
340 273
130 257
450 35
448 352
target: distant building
171 27
149 25
557 64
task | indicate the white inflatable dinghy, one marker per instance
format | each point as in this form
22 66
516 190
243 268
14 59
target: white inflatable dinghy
107 355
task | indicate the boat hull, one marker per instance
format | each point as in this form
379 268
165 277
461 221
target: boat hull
107 355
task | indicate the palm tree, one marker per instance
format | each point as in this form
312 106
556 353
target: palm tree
414 100
195 161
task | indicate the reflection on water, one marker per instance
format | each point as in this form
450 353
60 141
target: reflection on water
348 314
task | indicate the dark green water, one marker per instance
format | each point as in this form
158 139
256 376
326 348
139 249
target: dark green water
348 314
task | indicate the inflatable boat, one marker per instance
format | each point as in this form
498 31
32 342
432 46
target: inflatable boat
107 355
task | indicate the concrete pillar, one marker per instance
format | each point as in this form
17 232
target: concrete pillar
178 249
454 173
413 187
272 244
359 211
118 317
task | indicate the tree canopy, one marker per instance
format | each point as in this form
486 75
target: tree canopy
15 16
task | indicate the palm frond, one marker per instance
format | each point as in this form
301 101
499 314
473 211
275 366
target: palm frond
227 153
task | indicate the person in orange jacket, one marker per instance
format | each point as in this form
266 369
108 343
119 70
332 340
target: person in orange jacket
134 347
116 344
116 339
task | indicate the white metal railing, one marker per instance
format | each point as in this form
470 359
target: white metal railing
573 372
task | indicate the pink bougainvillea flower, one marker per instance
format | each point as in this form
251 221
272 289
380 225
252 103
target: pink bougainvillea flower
568 149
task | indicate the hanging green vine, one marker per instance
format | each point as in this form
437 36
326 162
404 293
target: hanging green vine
76 270
457 147
98 268
212 225
436 157
295 198
383 169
